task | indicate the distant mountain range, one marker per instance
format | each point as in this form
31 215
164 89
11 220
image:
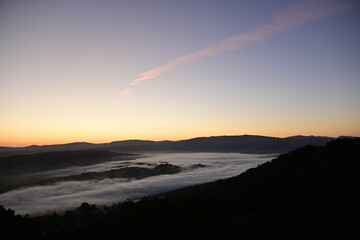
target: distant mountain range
242 143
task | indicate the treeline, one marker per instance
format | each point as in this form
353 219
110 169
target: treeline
309 193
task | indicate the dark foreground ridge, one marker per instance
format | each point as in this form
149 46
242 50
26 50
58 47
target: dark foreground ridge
309 193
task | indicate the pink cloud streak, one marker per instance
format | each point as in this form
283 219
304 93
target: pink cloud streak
301 13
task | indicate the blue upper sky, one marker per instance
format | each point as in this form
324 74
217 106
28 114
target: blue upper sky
64 65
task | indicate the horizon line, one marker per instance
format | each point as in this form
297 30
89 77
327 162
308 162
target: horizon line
166 140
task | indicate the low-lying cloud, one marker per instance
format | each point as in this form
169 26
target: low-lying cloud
69 194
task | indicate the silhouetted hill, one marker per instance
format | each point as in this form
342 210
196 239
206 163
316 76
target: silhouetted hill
17 170
127 172
309 193
244 144
54 160
249 143
335 165
7 151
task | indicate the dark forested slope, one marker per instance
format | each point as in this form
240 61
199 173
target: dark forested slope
309 193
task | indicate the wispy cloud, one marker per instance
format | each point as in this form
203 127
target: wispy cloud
303 12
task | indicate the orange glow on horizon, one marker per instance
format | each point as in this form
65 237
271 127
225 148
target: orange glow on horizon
24 142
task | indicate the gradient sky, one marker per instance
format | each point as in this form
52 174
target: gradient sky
73 70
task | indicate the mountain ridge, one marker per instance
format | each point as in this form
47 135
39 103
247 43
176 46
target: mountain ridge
225 143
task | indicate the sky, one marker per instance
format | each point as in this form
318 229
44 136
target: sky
107 70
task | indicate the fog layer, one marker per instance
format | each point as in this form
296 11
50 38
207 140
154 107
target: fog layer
198 168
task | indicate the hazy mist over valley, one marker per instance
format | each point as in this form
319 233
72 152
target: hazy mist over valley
196 168
37 179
